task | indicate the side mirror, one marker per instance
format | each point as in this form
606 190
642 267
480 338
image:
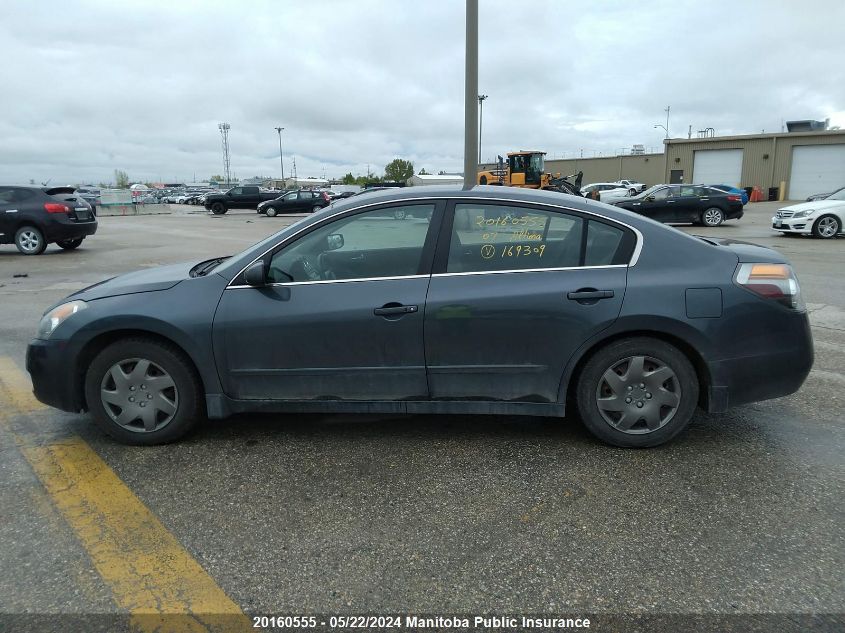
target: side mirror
334 241
254 274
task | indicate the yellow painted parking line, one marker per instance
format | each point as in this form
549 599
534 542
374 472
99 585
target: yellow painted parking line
152 577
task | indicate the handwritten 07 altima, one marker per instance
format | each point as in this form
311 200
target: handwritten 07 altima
437 300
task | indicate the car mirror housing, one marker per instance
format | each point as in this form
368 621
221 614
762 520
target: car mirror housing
254 275
334 241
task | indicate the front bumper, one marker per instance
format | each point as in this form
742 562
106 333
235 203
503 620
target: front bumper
54 381
793 225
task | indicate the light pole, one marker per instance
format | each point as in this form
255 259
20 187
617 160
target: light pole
481 99
471 88
665 127
281 156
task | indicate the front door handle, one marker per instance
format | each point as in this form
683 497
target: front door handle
394 309
589 294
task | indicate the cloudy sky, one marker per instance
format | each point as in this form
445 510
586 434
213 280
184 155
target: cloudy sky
87 87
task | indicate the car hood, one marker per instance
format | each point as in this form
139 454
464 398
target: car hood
150 280
818 205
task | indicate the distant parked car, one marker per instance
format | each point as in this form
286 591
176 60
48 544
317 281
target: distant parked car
32 217
822 196
633 186
685 203
300 201
91 196
742 193
820 218
245 197
607 191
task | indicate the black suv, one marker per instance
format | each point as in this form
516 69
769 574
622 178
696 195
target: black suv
32 217
298 201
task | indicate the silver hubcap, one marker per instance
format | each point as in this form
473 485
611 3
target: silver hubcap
712 216
29 240
638 395
828 227
139 395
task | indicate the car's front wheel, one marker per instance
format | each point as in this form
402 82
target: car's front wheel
69 245
30 240
713 216
637 392
141 391
827 227
271 212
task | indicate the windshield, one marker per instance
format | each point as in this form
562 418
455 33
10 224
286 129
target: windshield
651 190
837 195
537 163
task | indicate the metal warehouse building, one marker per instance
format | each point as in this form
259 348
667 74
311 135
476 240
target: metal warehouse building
803 163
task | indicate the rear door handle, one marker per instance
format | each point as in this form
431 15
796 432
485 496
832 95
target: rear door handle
395 310
580 295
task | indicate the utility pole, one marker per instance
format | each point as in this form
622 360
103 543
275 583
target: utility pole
224 132
281 156
481 99
471 95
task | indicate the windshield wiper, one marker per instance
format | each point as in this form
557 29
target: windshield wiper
202 269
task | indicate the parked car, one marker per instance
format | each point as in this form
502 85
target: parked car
91 196
33 217
742 193
299 201
246 197
820 218
607 191
822 196
685 204
633 186
630 322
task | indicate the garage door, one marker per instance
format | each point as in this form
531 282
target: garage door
816 169
717 167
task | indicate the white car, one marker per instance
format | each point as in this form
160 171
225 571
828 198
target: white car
608 191
820 218
633 186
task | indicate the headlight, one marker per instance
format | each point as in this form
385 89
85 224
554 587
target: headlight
803 214
55 317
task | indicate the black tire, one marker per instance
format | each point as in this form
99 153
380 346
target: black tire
712 216
399 214
187 395
271 212
30 240
482 180
683 383
70 245
316 208
827 227
218 208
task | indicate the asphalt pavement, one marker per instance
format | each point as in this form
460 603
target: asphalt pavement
742 514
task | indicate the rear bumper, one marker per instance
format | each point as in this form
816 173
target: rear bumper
59 231
50 364
769 374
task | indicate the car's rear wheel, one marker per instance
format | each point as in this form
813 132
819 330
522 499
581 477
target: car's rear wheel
637 392
218 208
316 208
271 212
399 214
30 240
713 216
141 391
69 245
827 227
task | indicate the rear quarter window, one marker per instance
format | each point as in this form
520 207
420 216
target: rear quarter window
608 245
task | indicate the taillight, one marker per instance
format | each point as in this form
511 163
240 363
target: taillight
55 207
771 281
733 198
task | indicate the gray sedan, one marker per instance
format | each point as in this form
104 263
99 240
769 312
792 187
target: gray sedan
487 301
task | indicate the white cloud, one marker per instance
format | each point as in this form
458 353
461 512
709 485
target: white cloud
89 87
